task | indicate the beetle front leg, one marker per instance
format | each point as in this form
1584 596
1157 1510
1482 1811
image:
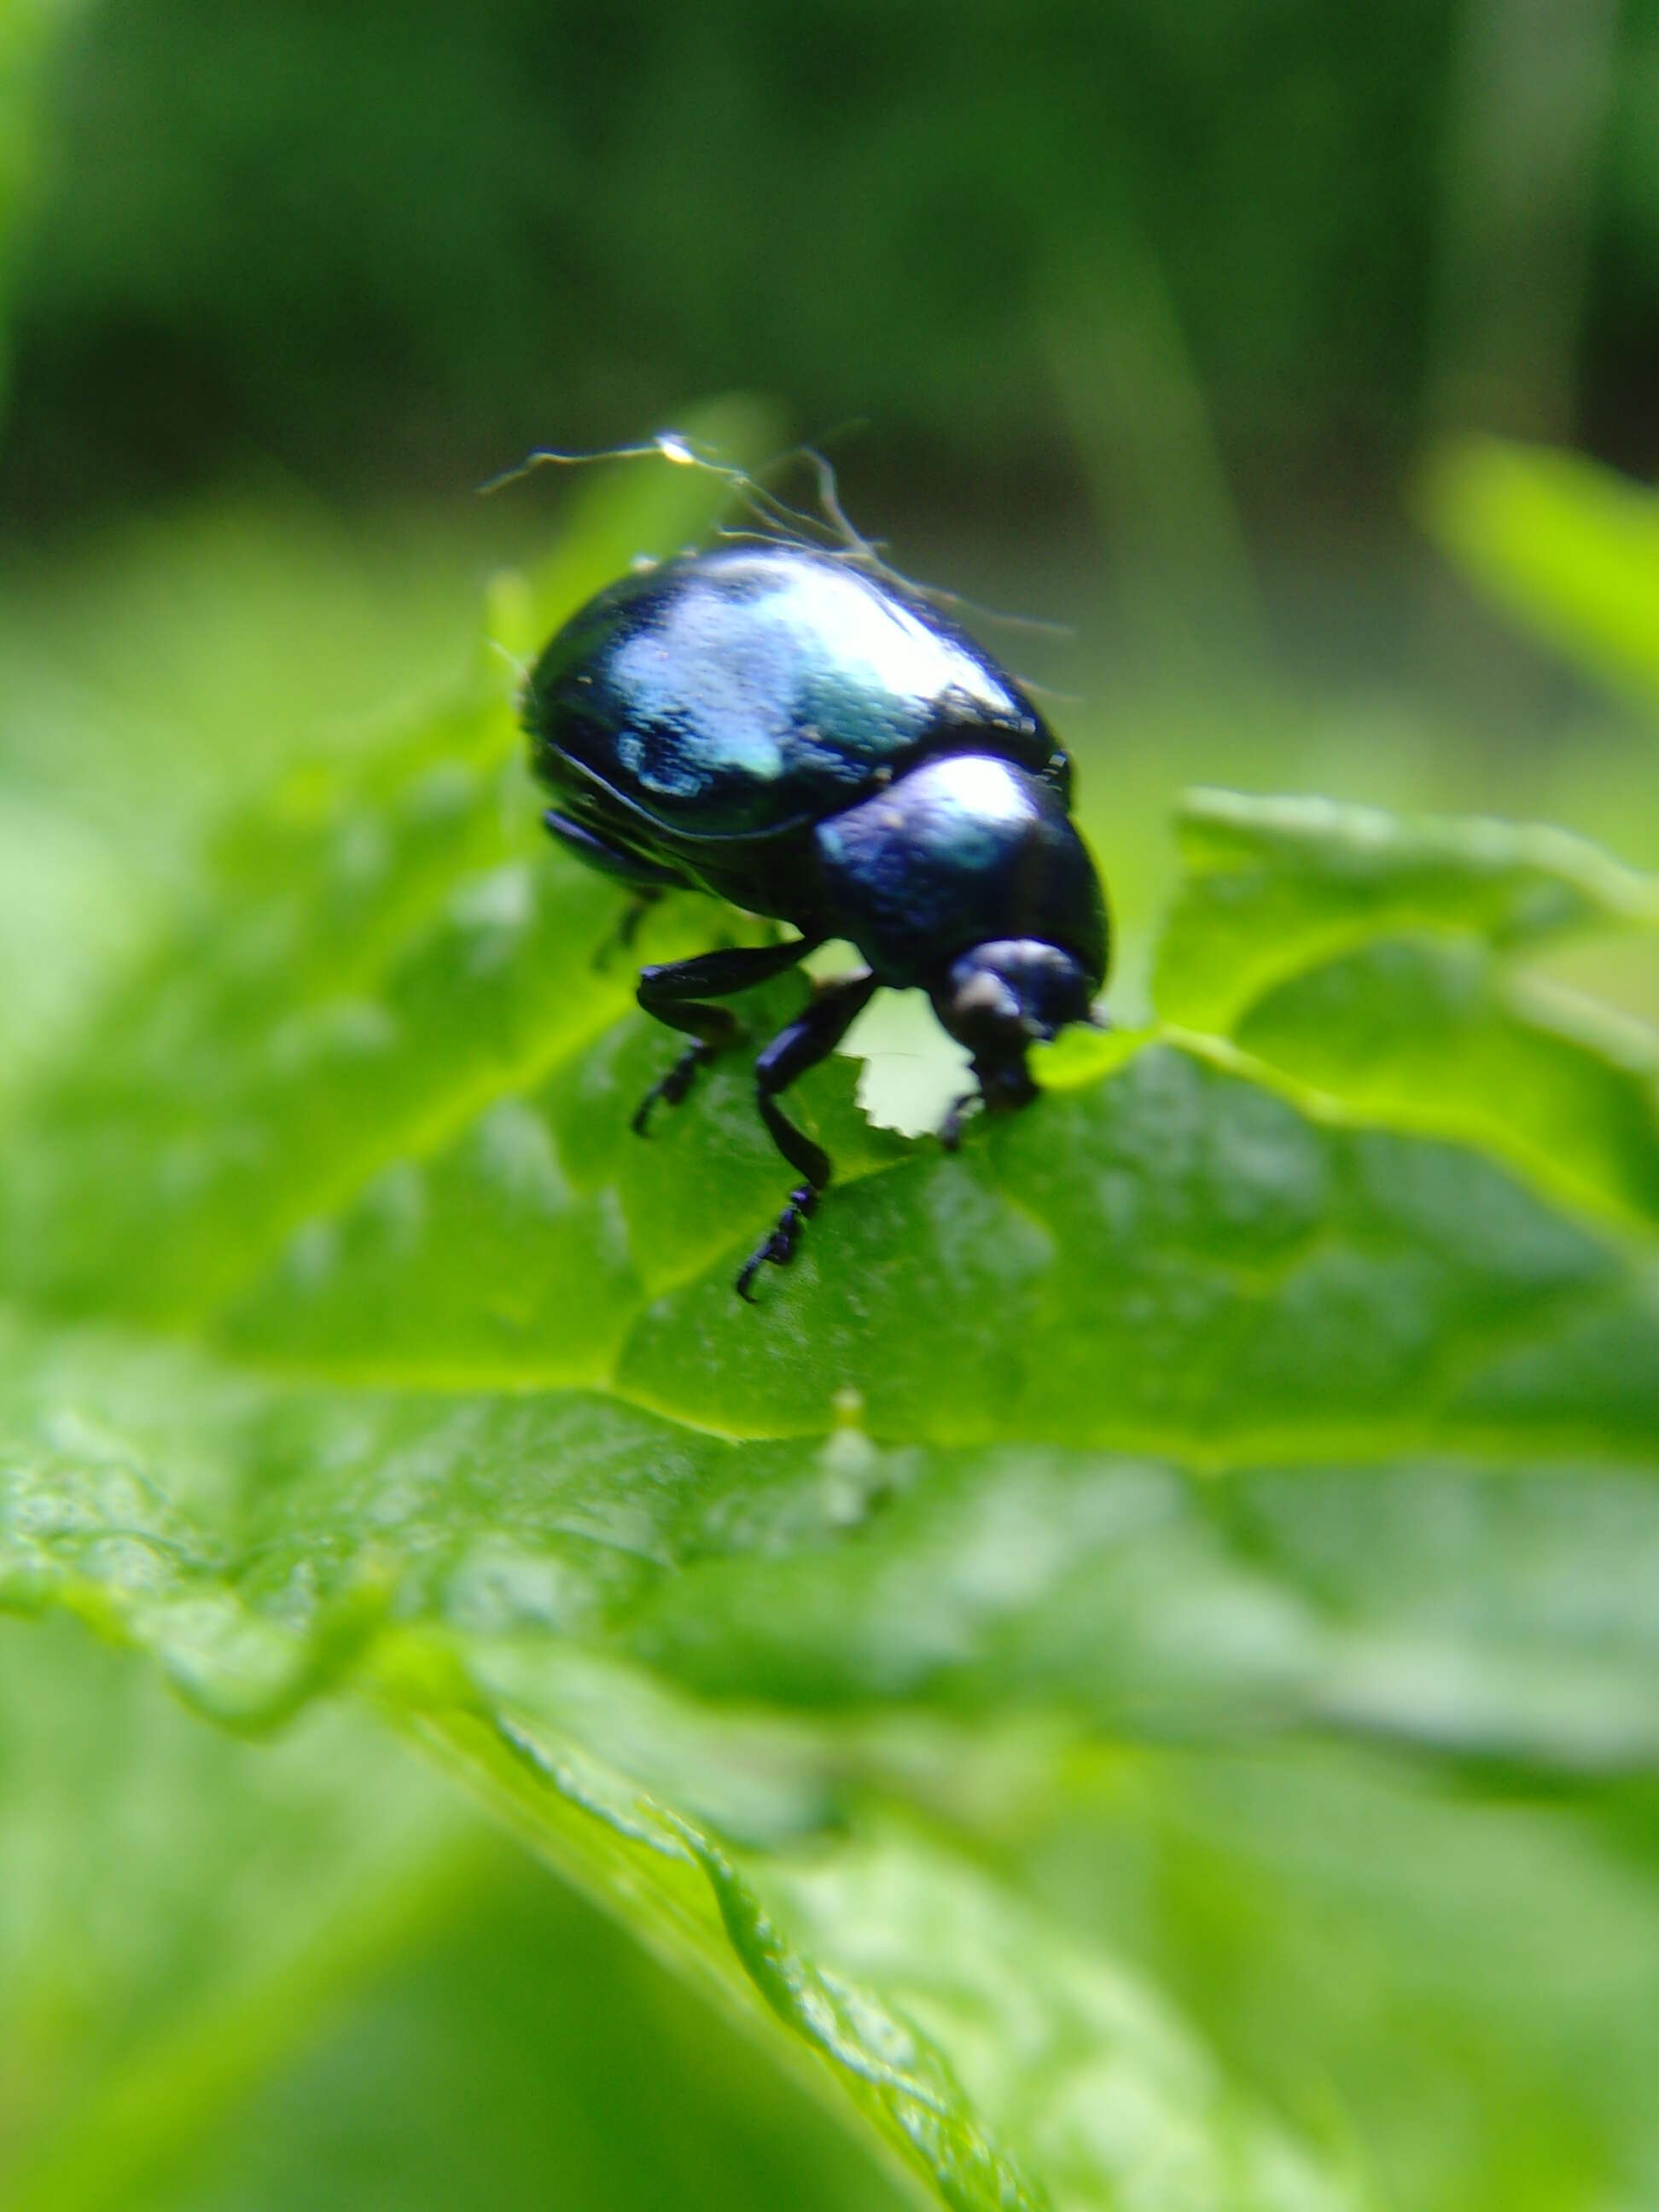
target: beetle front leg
801 1046
621 939
674 993
950 1129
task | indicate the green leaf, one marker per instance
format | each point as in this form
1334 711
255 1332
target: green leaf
1454 1977
1562 543
27 30
177 1909
82 1530
1272 887
284 1973
1292 1367
1382 963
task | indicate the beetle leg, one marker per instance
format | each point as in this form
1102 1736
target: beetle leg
950 1134
779 1246
612 859
621 939
674 993
649 879
801 1046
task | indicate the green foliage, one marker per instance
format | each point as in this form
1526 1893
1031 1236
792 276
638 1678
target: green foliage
333 234
1566 545
27 28
213 1956
969 1667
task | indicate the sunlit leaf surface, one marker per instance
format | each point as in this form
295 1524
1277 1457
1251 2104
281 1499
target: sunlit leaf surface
1290 1371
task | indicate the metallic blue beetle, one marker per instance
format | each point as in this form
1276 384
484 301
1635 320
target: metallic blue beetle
780 727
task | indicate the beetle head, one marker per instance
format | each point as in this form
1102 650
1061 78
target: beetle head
1003 997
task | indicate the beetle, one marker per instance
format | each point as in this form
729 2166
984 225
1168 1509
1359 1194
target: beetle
806 738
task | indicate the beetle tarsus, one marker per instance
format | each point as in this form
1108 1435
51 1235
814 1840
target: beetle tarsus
674 992
778 1248
671 1088
819 1030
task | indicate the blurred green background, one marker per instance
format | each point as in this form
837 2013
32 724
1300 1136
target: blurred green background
1140 318
1147 318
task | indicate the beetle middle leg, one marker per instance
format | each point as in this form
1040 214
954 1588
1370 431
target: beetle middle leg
675 993
801 1046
